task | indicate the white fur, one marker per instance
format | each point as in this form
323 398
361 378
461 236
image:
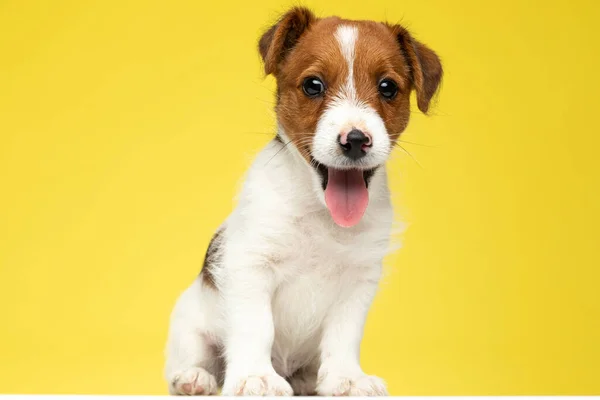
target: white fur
346 112
346 37
294 288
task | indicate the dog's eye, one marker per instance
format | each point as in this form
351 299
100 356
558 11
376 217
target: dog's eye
313 86
388 88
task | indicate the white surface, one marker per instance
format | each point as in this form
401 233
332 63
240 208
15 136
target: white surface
99 397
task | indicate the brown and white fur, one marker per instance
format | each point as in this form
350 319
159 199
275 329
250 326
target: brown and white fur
280 304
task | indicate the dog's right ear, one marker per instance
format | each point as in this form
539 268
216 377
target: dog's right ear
278 40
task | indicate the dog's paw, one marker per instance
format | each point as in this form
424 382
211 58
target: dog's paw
259 385
193 382
361 385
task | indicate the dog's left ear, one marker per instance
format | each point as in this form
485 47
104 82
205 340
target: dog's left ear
278 40
425 66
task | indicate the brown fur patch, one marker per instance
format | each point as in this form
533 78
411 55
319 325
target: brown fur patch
377 58
425 66
283 36
316 54
213 254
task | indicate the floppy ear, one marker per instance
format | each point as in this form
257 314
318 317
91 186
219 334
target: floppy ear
425 66
278 40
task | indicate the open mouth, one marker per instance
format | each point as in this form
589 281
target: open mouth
346 194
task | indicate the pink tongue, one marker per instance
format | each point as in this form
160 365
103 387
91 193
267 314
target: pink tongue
346 196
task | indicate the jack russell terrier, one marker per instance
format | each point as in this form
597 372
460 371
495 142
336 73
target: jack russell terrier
280 304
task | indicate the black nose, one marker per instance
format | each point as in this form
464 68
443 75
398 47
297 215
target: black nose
355 144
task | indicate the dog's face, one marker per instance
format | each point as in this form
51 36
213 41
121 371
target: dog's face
343 97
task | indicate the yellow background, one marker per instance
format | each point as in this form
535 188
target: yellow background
126 125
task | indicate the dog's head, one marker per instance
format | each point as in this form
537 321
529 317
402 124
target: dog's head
343 97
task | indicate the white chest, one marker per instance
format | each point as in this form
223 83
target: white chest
299 307
320 269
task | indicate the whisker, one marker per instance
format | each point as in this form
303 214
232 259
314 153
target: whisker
278 151
417 144
259 133
271 102
303 140
410 155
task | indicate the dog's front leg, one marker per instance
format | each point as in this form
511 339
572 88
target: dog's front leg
340 373
250 331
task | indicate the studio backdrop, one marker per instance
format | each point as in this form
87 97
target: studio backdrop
126 127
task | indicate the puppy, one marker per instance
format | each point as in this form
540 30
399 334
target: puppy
280 304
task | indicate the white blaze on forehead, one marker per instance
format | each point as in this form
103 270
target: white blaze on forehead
346 36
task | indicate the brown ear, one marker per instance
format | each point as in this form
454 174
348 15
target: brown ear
425 66
283 36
